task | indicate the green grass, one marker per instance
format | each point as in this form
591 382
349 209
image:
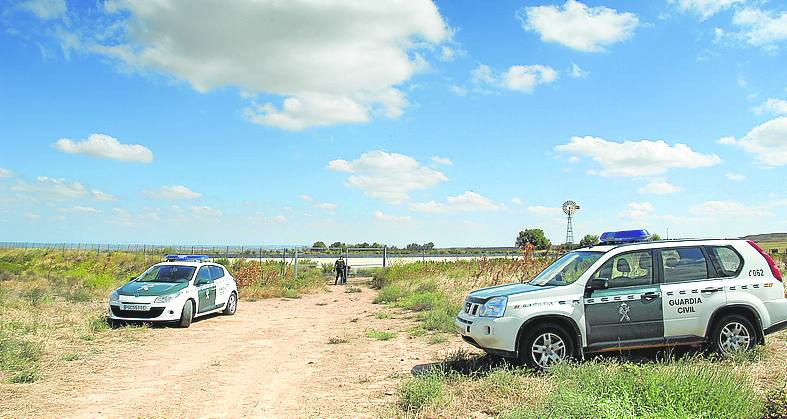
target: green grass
19 358
415 394
380 335
383 315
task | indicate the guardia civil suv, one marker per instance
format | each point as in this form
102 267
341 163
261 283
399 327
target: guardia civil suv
629 293
175 291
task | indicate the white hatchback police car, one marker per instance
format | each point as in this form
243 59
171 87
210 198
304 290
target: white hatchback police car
177 291
631 293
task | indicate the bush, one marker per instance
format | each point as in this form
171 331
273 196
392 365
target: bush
419 392
389 294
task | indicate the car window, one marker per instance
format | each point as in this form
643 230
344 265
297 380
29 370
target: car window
627 270
216 272
726 261
203 274
167 273
684 264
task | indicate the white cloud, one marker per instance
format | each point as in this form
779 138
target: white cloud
332 62
205 211
638 210
5 173
726 209
576 72
524 78
80 209
444 161
458 90
102 145
659 188
102 196
772 105
466 202
307 198
387 176
50 188
544 211
768 141
761 27
378 215
172 193
328 206
578 26
45 9
451 53
637 158
704 8
735 177
520 78
517 201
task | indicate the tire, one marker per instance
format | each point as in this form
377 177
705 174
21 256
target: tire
187 314
232 305
551 341
733 333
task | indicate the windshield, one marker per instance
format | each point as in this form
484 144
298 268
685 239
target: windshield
567 269
167 273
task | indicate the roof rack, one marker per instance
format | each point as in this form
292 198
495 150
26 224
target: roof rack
186 258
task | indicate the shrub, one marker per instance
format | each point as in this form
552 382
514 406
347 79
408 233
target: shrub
422 391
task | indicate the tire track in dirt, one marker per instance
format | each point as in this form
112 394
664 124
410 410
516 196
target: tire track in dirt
272 359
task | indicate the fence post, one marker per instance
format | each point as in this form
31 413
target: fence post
385 257
296 264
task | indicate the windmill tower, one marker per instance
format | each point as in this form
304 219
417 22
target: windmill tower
570 208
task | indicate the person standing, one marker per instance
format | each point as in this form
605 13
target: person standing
340 267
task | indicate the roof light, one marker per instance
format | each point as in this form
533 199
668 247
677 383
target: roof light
626 236
186 258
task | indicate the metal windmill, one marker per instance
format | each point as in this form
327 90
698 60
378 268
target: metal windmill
570 208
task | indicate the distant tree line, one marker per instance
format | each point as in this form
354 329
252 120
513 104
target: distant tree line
319 245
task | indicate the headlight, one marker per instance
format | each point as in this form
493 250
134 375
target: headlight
166 298
114 296
494 307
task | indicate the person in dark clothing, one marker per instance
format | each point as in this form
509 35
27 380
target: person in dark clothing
341 271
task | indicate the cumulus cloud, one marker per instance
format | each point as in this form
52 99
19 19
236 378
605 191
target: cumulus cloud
172 193
638 210
102 145
577 26
544 211
659 188
637 158
517 201
727 209
466 202
443 161
768 141
387 176
772 105
379 216
102 196
704 8
761 27
576 72
50 188
80 209
520 78
343 64
205 211
45 9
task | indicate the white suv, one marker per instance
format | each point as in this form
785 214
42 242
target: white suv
630 293
176 291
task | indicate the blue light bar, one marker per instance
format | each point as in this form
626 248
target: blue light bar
626 236
186 258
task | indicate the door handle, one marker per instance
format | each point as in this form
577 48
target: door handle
650 295
711 290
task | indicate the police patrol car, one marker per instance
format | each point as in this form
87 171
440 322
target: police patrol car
178 290
631 293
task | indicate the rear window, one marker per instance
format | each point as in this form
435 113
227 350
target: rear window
684 264
727 261
216 272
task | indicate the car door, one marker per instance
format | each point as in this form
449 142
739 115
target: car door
206 290
628 312
692 291
220 280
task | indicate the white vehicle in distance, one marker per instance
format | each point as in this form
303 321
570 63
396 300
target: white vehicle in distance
176 291
629 293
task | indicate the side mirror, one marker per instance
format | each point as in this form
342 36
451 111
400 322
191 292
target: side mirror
598 284
133 278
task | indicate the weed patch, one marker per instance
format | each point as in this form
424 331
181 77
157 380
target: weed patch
419 392
352 290
18 359
380 335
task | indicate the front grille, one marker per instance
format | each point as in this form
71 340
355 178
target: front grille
471 308
131 314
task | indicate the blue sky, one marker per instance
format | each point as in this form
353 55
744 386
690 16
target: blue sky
456 122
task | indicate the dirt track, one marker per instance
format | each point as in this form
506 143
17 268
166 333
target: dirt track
271 359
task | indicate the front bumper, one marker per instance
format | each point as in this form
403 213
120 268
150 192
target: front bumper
156 312
494 335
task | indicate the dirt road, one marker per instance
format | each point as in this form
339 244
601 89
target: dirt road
272 359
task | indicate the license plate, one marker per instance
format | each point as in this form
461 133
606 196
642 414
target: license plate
136 307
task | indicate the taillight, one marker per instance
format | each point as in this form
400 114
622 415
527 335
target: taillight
769 259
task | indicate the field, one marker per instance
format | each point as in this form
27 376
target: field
53 303
671 384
